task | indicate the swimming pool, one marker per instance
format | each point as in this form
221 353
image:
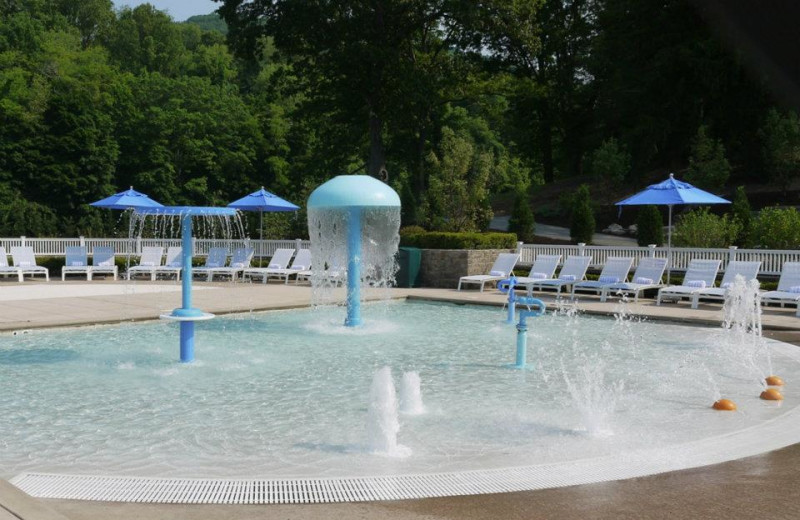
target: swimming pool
285 394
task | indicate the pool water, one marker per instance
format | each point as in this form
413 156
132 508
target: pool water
286 394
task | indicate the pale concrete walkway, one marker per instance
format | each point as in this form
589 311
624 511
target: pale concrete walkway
765 486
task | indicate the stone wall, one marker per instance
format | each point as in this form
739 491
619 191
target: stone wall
443 267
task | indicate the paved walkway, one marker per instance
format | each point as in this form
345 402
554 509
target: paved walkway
767 485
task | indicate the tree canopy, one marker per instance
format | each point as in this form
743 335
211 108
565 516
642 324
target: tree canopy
453 103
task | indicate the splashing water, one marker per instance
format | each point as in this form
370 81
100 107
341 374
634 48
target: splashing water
592 396
380 239
742 322
411 395
625 327
382 422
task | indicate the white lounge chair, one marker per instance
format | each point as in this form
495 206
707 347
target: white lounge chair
150 259
648 275
574 270
747 270
76 263
6 269
543 268
217 257
240 261
615 271
174 263
501 270
26 261
279 261
788 287
300 263
333 275
103 262
700 274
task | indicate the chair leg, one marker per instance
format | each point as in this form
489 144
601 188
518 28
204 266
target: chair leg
459 285
658 298
695 300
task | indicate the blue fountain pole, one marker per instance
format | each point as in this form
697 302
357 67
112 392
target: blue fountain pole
512 299
353 268
522 328
187 327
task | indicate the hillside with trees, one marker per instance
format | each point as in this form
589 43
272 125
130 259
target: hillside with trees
457 105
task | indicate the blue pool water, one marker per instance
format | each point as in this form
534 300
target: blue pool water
285 394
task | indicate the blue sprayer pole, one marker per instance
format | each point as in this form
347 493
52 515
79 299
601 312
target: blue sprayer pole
187 327
353 268
522 329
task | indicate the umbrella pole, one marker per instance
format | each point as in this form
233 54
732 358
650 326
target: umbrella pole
669 243
261 235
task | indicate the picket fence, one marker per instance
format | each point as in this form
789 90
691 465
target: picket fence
772 260
133 247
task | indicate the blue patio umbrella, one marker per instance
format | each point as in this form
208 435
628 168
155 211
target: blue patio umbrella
124 200
262 201
669 193
129 199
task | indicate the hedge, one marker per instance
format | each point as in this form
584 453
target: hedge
444 240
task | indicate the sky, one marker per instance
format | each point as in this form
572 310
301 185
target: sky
180 10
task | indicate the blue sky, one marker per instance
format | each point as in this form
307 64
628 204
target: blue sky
180 10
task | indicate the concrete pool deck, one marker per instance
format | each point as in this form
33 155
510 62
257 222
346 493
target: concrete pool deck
764 485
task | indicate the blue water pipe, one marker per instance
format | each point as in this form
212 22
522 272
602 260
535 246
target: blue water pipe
522 327
353 268
186 314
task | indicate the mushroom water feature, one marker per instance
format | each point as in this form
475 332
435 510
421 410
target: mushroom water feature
363 213
186 314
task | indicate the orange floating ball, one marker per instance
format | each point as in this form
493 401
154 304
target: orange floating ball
724 405
774 381
771 394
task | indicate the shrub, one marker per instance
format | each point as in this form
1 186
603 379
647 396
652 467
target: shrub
650 227
582 225
776 228
780 137
610 162
708 167
465 240
522 222
700 228
411 230
742 214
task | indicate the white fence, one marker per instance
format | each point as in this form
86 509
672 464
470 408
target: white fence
771 260
125 246
678 258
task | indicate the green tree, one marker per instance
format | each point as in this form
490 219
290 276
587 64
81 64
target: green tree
458 195
361 62
708 167
742 214
777 228
649 226
701 228
780 136
610 162
522 221
582 224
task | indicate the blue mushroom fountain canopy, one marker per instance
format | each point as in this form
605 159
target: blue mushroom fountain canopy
353 224
347 191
